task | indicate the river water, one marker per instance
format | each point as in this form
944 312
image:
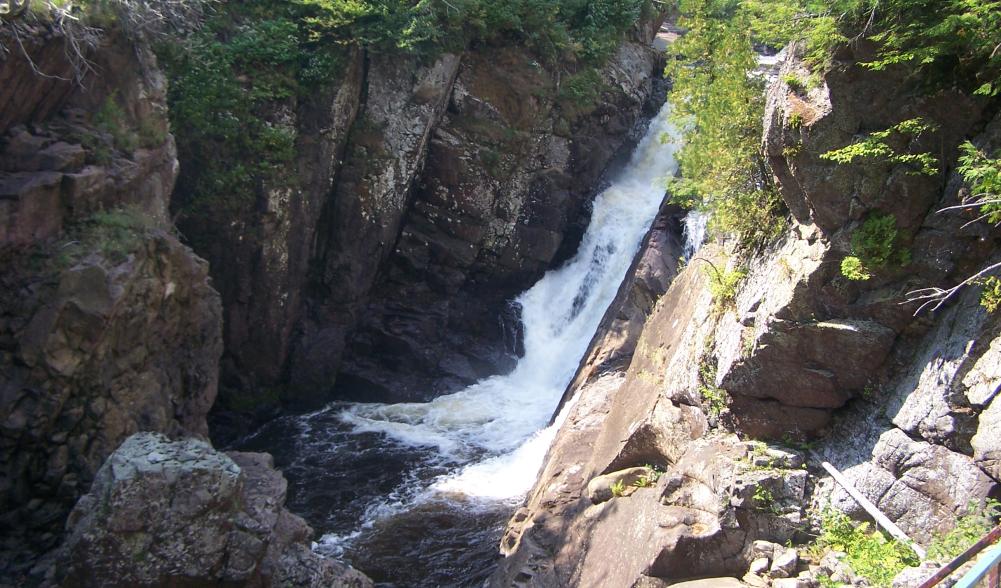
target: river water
417 494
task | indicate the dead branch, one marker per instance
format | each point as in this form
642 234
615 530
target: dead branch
938 296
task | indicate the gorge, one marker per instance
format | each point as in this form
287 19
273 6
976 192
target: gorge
321 293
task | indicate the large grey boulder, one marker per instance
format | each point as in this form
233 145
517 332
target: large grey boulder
179 513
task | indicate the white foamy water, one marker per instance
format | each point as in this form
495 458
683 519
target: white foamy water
498 426
695 224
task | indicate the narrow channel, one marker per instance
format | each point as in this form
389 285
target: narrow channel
417 494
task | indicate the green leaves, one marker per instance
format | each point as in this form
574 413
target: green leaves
983 175
876 147
869 553
990 294
969 528
958 37
853 269
719 107
874 245
589 30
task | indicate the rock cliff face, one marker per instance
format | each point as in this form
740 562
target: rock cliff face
905 405
108 325
427 193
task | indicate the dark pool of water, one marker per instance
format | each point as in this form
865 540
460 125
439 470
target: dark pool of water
360 491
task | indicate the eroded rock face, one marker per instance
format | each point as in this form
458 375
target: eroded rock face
404 102
108 325
804 337
260 251
164 513
425 194
912 448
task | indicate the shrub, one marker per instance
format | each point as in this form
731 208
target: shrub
764 500
874 245
869 553
719 108
580 92
723 284
795 84
983 175
111 119
876 148
990 295
715 399
968 530
853 269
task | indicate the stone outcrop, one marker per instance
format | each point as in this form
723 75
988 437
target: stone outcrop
915 458
388 146
164 513
108 325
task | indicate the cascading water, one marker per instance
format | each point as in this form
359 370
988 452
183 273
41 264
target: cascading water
695 224
417 493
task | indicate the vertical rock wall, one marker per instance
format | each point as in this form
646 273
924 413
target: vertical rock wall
426 194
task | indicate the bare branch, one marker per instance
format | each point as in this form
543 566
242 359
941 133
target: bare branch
972 204
939 296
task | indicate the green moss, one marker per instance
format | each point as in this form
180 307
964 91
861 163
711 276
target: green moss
579 94
111 118
115 234
794 82
224 81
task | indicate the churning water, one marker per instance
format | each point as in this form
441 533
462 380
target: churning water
417 494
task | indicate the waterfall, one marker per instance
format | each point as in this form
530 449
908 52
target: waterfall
694 231
497 423
378 478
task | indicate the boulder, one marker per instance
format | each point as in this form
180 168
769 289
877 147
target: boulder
178 513
784 564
